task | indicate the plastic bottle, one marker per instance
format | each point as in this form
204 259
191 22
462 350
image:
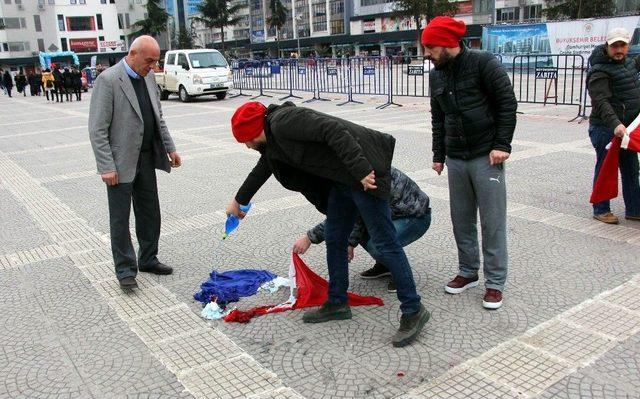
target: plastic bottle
233 221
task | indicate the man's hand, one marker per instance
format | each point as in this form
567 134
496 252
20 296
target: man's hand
111 178
234 209
301 245
620 130
497 157
369 181
350 253
438 167
176 161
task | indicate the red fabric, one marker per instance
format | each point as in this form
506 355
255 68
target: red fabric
606 186
312 291
444 32
248 121
240 316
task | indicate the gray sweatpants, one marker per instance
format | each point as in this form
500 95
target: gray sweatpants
476 184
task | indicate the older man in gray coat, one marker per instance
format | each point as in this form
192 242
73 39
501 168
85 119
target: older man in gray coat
130 140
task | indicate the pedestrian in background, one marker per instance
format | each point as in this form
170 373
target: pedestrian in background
58 82
77 83
473 114
48 82
21 83
7 81
67 77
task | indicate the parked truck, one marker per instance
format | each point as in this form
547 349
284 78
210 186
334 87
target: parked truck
192 73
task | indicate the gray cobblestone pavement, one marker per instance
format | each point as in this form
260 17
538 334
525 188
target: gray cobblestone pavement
570 326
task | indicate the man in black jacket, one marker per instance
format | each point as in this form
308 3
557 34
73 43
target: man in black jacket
344 170
473 111
615 94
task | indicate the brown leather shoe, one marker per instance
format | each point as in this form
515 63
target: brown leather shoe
492 299
608 218
637 218
460 284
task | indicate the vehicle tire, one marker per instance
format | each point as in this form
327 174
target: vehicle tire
184 96
221 96
164 94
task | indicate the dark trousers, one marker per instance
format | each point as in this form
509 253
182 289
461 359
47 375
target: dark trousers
78 94
601 136
59 94
344 205
143 191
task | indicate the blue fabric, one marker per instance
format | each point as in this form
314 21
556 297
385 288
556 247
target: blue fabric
231 285
130 71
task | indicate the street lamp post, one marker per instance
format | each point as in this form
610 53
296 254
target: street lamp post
298 19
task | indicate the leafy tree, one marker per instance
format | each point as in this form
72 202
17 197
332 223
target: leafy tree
185 39
429 9
154 24
278 18
218 14
576 9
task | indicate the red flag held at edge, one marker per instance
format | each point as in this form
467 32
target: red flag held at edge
606 185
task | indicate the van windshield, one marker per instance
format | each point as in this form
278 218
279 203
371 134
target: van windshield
207 60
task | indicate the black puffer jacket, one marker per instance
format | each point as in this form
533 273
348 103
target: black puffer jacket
307 151
614 89
473 107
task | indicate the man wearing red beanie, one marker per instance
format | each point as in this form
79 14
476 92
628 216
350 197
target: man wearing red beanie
344 170
473 114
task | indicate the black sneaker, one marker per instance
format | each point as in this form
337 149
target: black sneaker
128 283
391 287
378 270
327 312
410 327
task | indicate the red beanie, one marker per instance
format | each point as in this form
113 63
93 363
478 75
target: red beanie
248 121
443 32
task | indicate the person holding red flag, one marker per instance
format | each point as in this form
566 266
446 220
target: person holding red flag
615 94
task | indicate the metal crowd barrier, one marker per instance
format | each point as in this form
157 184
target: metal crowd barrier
557 79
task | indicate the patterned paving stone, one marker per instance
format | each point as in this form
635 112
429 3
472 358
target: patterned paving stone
607 319
145 303
182 354
627 296
280 393
234 378
173 323
621 366
520 367
462 384
580 385
40 372
53 197
348 379
569 342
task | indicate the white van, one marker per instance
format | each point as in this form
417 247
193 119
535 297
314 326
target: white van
193 73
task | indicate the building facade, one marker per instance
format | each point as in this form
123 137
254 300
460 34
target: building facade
366 27
89 28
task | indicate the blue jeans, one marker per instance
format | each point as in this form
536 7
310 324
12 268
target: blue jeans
600 137
407 231
344 205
